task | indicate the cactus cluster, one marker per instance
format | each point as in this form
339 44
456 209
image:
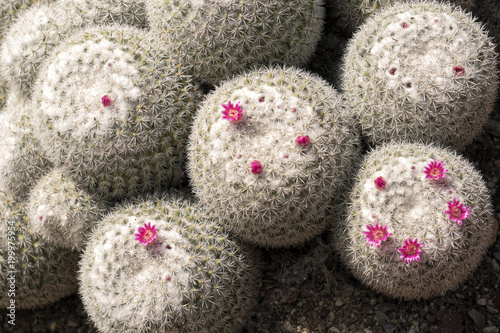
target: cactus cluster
104 108
181 273
115 111
272 140
418 221
421 71
217 39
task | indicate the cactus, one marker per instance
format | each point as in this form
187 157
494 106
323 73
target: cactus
421 72
62 213
115 111
21 159
268 152
10 9
351 14
34 272
418 221
218 39
180 274
38 30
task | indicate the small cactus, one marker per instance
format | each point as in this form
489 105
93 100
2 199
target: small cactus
34 273
421 71
272 175
425 231
160 264
62 213
220 39
115 111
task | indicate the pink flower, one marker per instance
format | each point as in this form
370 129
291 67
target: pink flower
106 100
256 167
233 113
435 170
147 234
411 250
380 183
376 234
302 140
457 212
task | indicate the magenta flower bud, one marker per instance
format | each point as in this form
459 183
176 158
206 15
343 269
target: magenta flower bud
302 140
256 167
106 100
380 183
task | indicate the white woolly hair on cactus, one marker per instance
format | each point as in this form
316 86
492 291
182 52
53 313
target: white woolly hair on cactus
421 71
418 221
39 29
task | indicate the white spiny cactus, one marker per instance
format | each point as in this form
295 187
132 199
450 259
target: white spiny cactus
272 175
418 221
160 264
421 71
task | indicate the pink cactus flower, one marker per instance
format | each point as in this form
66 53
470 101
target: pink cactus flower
457 212
147 234
106 100
302 140
233 113
435 170
380 183
376 234
256 167
411 250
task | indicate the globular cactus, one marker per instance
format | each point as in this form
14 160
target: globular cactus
218 39
350 14
38 30
34 273
270 151
160 264
115 111
421 72
62 213
22 161
418 221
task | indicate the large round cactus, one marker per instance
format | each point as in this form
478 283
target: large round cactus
34 273
418 222
422 71
38 30
62 213
160 264
220 38
268 152
115 111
